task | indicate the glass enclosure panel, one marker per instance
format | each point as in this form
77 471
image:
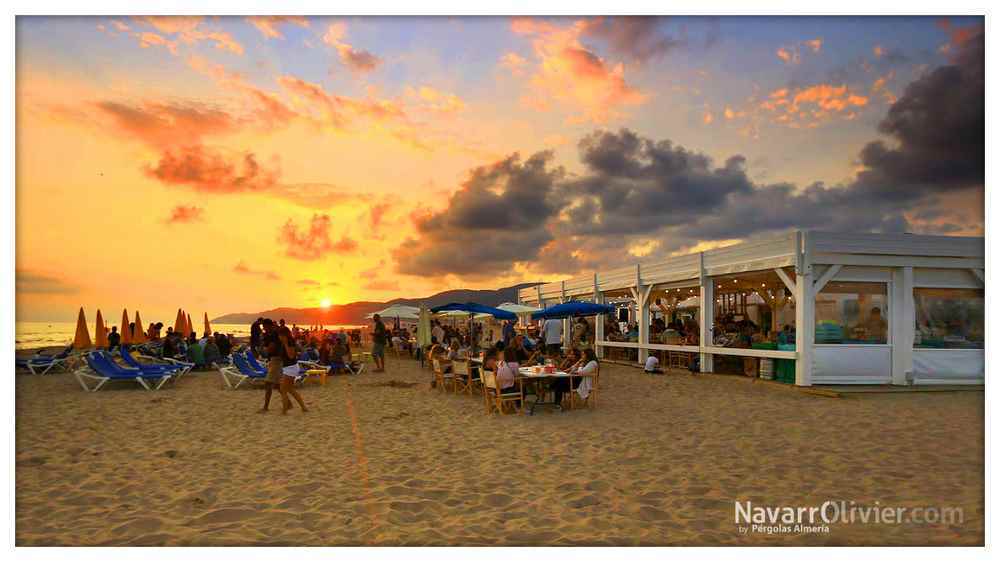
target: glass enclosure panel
948 318
673 315
753 309
850 312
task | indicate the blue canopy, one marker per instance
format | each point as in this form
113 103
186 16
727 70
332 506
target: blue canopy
475 308
573 308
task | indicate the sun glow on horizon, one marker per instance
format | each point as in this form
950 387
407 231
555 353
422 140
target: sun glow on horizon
325 303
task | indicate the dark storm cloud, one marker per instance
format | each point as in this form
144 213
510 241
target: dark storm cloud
639 38
939 126
498 217
639 189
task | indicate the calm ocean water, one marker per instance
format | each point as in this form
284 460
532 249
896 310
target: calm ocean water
30 335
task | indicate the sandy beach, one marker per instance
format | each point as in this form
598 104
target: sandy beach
383 460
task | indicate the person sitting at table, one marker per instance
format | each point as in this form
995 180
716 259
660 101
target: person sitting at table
561 384
506 368
570 361
583 369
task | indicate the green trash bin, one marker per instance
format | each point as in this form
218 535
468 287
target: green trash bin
784 369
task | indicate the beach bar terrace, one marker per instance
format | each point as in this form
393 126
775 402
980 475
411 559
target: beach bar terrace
848 308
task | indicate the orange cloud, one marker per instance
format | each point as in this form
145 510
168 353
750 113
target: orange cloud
185 214
209 170
879 87
266 110
268 25
569 73
788 55
809 107
358 60
182 30
791 54
436 101
315 242
957 36
376 213
162 124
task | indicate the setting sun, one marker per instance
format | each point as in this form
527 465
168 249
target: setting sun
325 303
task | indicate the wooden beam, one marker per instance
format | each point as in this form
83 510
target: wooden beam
792 286
829 274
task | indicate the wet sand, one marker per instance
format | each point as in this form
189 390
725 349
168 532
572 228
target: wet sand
377 461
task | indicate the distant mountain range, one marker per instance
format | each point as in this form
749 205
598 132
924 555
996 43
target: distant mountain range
354 313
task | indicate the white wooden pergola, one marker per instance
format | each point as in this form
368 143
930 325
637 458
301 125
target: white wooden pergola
805 261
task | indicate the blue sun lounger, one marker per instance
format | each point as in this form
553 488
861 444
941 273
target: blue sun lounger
39 364
103 369
241 371
173 368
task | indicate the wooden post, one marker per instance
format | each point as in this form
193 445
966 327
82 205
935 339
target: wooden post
805 311
902 324
706 314
566 325
598 321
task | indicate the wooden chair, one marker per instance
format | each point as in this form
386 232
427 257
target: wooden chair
462 380
442 379
591 400
496 400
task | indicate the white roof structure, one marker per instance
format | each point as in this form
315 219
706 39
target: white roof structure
805 262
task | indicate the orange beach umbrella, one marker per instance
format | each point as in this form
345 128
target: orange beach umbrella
189 327
100 332
140 334
208 328
82 338
179 322
126 335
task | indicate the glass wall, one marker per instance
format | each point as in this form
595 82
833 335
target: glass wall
673 315
753 308
948 318
622 326
850 312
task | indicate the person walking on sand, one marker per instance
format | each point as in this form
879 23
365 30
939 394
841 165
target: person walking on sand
271 345
379 338
290 369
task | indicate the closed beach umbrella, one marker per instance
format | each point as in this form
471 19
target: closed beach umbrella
100 332
82 338
189 325
424 327
126 335
179 322
208 328
140 335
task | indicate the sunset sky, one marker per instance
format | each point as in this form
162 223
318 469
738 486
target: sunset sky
238 164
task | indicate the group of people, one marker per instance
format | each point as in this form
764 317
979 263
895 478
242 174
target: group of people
507 356
209 349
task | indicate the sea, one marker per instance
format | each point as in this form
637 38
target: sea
31 335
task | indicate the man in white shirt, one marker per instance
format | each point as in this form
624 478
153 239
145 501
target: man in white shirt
552 331
653 365
438 334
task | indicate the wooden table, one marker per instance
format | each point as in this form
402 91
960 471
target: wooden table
528 374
